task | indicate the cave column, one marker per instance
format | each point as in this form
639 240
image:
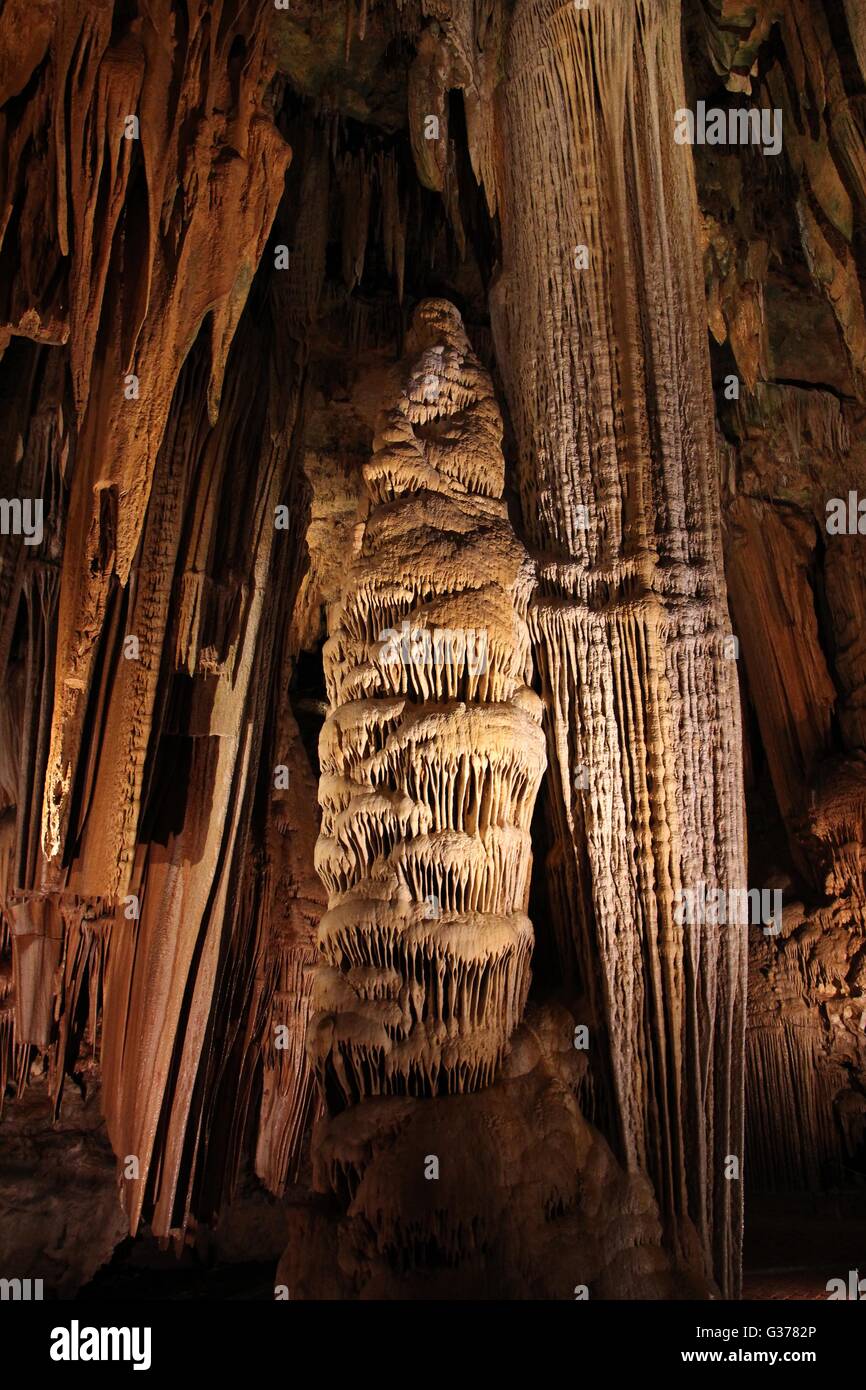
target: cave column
432 751
600 329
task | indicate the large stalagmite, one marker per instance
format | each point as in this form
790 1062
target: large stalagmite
432 752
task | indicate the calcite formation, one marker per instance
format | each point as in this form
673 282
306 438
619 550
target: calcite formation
137 219
432 751
432 550
530 1201
617 468
786 297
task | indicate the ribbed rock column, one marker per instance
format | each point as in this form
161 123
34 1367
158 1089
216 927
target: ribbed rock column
432 752
601 333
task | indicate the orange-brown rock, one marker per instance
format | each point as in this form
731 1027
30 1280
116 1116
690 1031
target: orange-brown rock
431 547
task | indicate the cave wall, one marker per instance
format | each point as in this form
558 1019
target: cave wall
787 323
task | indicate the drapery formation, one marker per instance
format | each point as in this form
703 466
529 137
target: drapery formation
602 340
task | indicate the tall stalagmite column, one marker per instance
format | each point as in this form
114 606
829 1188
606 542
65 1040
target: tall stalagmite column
432 752
601 333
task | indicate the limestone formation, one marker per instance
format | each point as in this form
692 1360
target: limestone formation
432 751
786 296
432 562
629 622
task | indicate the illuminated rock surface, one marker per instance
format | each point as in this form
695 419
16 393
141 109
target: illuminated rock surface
446 561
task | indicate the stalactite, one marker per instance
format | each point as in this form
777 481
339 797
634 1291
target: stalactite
181 974
170 962
429 81
294 911
603 348
474 33
150 228
355 185
393 221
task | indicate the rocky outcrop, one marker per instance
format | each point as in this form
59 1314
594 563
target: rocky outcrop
60 1219
508 1192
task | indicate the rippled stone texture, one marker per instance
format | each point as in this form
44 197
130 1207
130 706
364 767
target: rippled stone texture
432 752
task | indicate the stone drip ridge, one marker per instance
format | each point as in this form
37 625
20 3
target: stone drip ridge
432 751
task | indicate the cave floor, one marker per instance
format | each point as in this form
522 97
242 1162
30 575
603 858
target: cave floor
793 1247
